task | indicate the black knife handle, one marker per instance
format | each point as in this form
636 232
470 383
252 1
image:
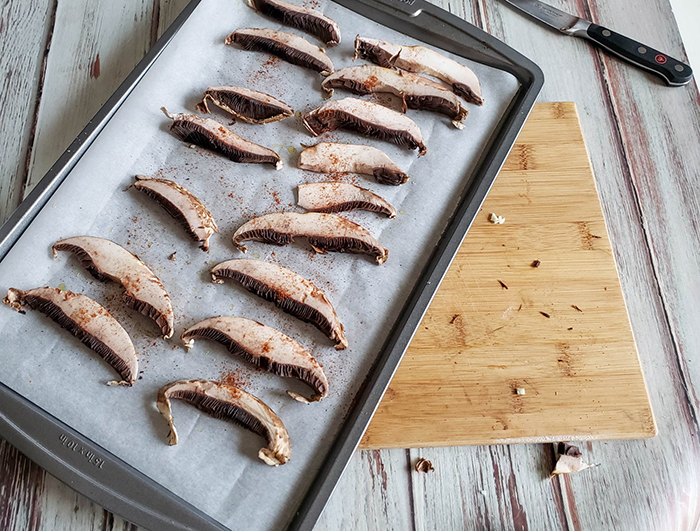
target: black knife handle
674 72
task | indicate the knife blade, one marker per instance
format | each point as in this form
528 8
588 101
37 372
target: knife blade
674 72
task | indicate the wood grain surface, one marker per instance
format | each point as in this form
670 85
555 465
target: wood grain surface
643 142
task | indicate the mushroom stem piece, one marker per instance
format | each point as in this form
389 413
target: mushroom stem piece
87 320
325 232
104 259
265 347
182 205
287 290
230 403
305 19
250 106
341 197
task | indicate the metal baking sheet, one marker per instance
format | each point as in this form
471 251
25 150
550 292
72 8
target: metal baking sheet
105 440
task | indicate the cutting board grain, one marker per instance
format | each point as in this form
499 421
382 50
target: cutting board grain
509 352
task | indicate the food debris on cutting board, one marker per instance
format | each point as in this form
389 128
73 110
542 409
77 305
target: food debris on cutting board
496 219
569 460
423 465
535 264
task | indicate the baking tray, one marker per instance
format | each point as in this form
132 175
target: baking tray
121 488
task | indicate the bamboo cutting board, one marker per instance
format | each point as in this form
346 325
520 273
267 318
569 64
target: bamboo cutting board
509 352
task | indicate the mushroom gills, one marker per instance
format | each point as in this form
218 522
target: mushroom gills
421 60
286 46
341 197
211 134
288 290
229 403
325 232
328 157
182 205
305 19
265 347
87 320
415 92
367 118
247 105
105 260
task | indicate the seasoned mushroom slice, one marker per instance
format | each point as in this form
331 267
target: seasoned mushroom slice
181 204
325 232
291 48
367 118
305 19
289 291
416 92
87 320
247 105
230 403
210 134
265 347
341 197
104 259
421 60
326 157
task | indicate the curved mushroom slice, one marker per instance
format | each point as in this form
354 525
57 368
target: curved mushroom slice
307 20
230 403
181 204
341 197
421 60
210 134
248 105
325 232
287 290
416 92
367 118
87 320
326 157
291 48
104 259
265 347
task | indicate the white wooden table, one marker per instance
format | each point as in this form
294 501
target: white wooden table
61 60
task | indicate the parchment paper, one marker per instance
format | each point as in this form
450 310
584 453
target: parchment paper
215 466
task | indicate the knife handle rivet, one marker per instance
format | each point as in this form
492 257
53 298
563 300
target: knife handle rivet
679 68
642 49
606 33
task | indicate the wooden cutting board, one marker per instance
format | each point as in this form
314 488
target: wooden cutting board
509 352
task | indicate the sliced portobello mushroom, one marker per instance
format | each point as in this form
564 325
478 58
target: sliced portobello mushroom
287 290
367 118
87 320
307 20
182 205
105 260
421 60
327 157
325 232
286 46
265 347
415 92
211 134
250 106
341 197
229 403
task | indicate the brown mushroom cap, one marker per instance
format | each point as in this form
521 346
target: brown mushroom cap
341 197
230 403
247 105
87 320
305 19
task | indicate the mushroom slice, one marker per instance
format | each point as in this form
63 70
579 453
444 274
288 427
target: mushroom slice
104 259
211 134
87 320
291 48
181 204
248 105
325 232
230 403
421 60
288 290
305 19
416 92
265 347
327 157
341 197
370 119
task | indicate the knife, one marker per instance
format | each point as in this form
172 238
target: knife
673 71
